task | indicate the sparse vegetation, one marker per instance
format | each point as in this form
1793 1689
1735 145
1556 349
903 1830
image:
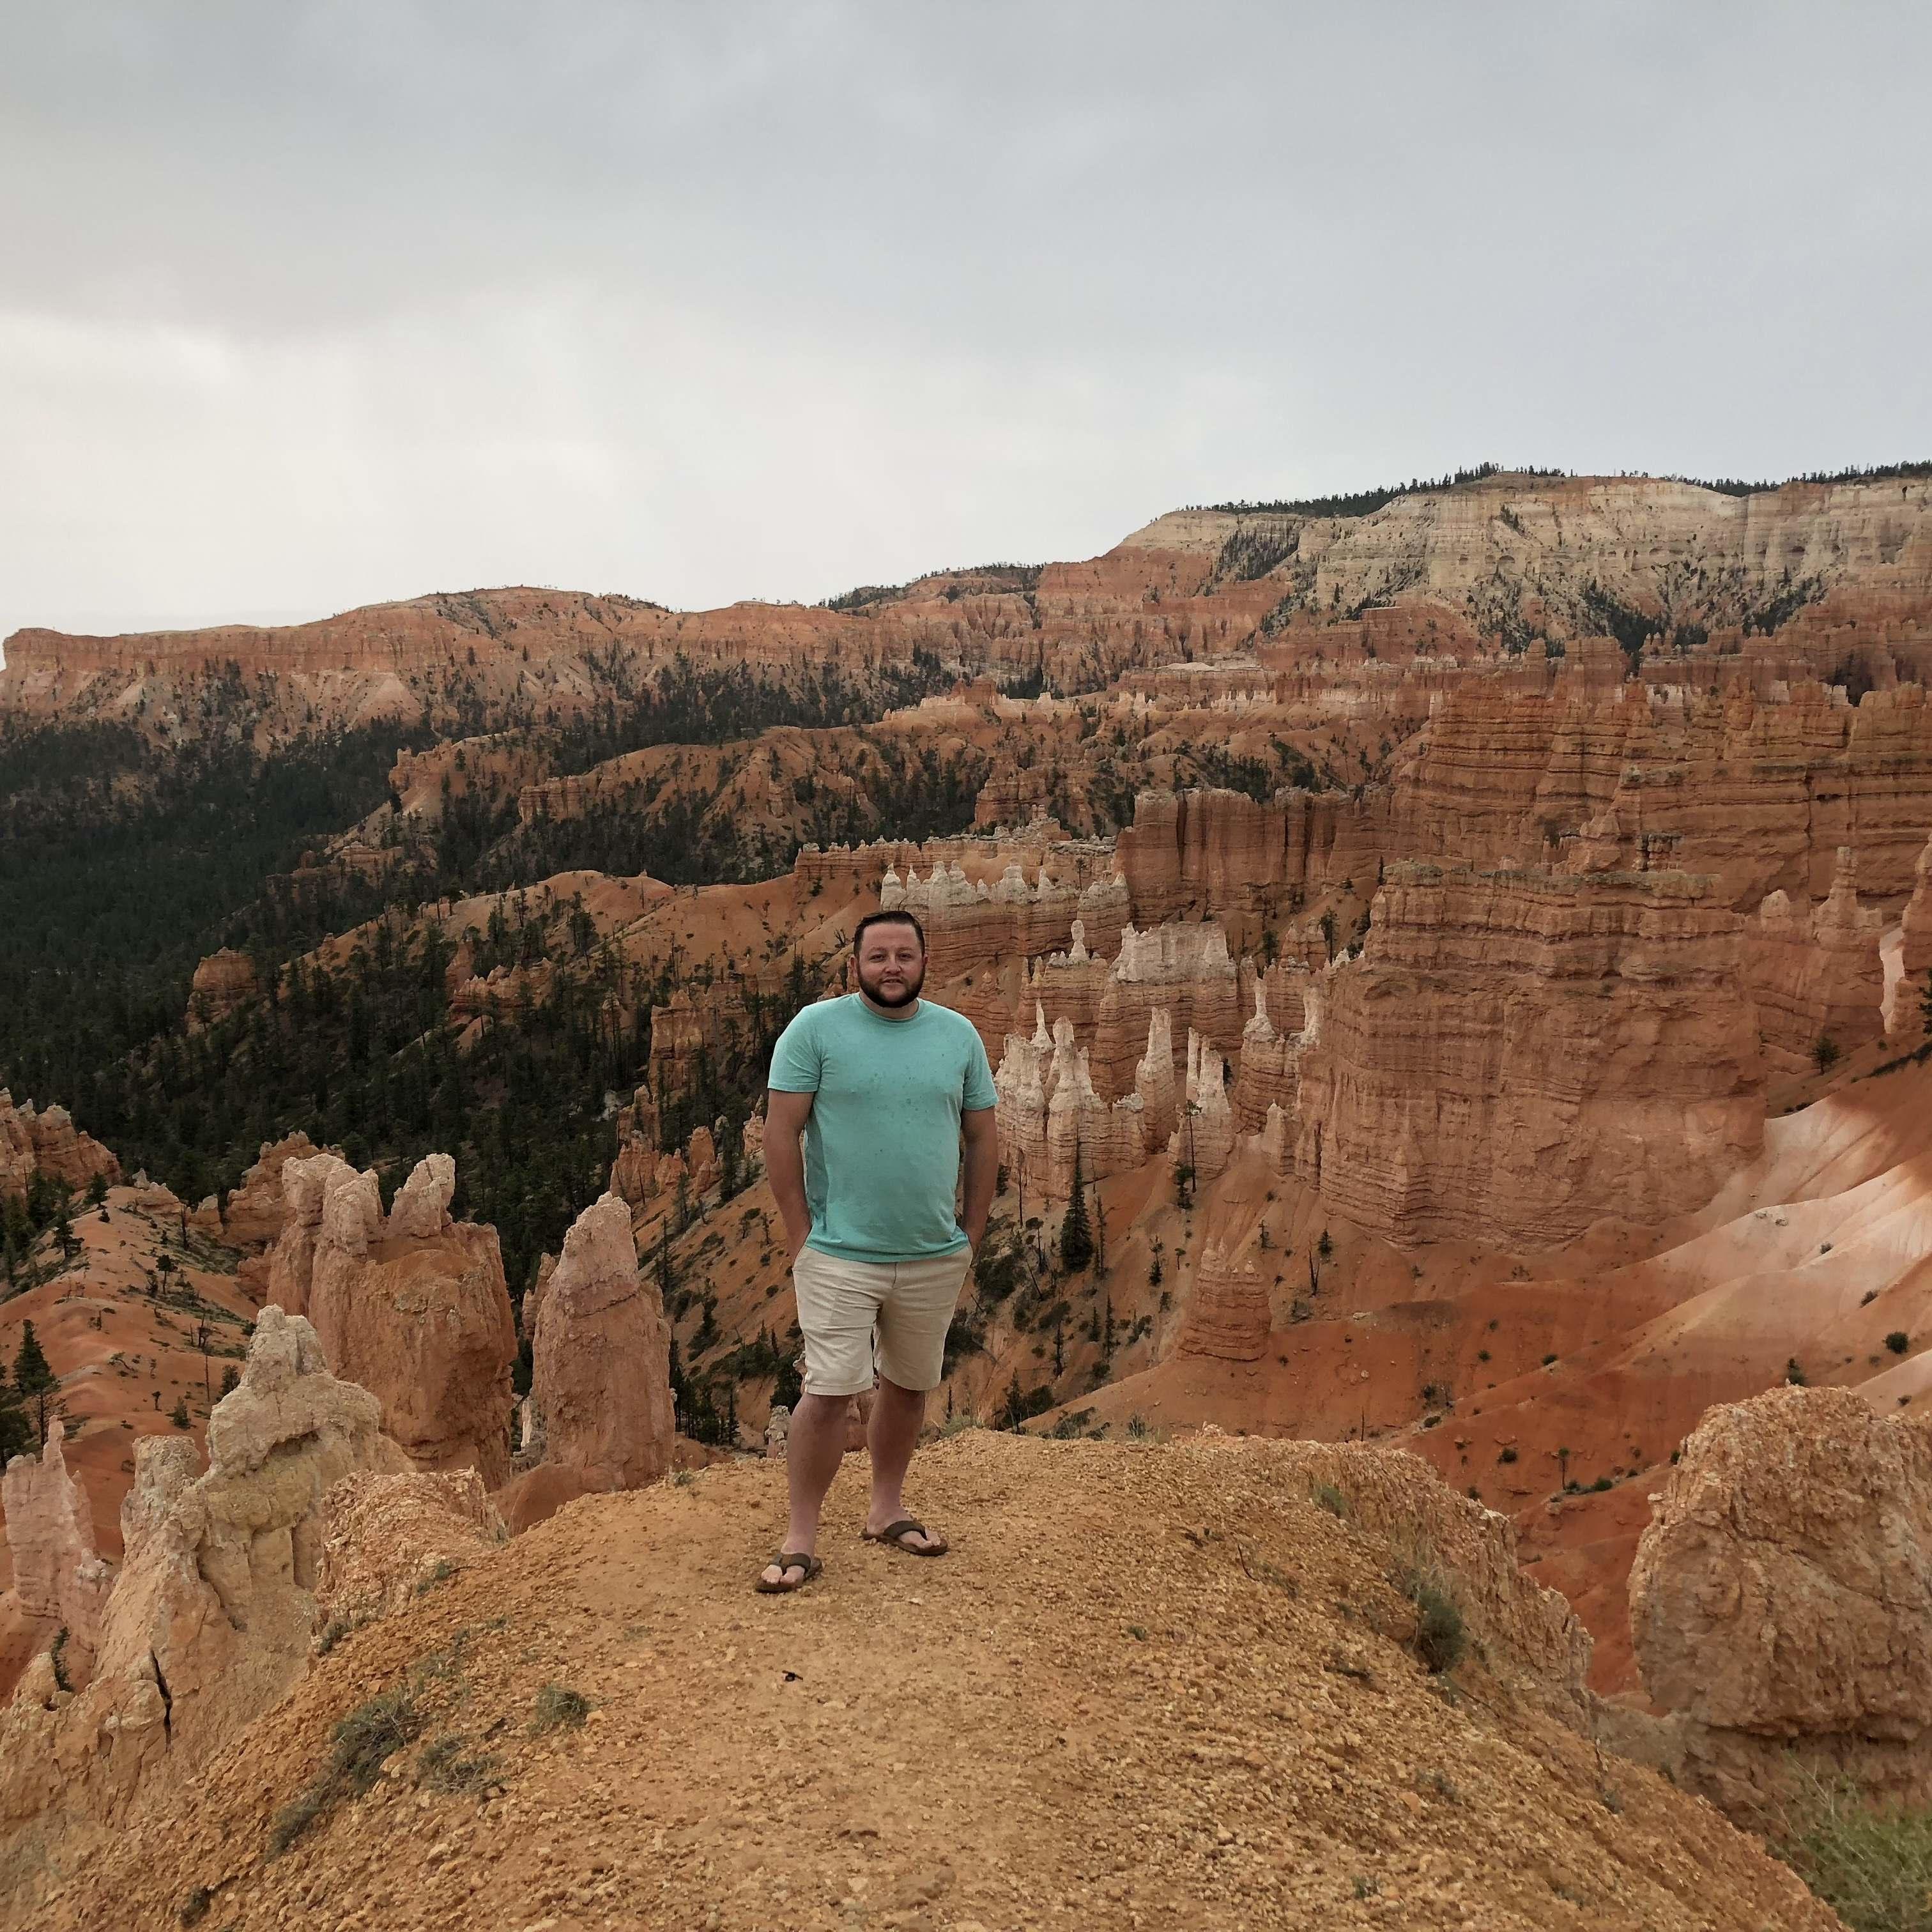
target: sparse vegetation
360 1745
1441 1638
1898 1341
558 1708
1872 1865
445 1764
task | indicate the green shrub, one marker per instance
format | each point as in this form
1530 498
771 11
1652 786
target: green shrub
1873 1867
1441 1635
362 1743
1328 1497
1898 1341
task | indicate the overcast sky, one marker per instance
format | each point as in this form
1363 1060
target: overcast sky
304 306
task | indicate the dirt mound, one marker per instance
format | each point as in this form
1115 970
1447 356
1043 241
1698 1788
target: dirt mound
1154 1685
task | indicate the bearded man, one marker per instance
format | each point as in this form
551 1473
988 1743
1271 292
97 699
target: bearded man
882 1085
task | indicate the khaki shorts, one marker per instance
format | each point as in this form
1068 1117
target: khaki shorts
892 1315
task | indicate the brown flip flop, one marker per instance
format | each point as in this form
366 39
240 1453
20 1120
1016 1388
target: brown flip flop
788 1560
893 1533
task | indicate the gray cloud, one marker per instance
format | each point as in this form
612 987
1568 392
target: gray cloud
306 305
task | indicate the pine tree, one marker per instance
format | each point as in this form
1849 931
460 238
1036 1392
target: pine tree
1076 1231
33 1374
16 1432
1015 1413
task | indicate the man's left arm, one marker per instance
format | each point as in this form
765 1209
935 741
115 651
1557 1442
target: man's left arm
981 1130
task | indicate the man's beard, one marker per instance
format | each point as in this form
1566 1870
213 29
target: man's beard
909 992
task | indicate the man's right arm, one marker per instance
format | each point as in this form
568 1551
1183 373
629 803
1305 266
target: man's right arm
785 1116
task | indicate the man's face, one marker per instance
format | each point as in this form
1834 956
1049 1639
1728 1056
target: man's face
892 967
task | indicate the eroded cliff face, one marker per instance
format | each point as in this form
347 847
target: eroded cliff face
1915 953
48 1144
1806 580
1760 791
412 1306
600 1388
59 1575
1515 1055
211 1616
1815 974
1781 1598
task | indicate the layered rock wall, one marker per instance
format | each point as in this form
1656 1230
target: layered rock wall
1915 953
970 925
1815 974
1221 855
1517 1054
1758 790
1185 970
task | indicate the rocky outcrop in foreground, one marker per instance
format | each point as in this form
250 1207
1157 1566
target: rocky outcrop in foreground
412 1305
1781 1599
211 1618
389 1539
1224 1723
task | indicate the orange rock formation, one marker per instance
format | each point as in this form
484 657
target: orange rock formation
600 1389
47 1144
413 1308
1227 1315
209 1622
1517 1055
1781 1598
59 1575
1815 974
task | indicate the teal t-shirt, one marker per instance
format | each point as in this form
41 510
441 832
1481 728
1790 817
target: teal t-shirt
882 1141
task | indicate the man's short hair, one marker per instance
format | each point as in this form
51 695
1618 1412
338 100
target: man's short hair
873 919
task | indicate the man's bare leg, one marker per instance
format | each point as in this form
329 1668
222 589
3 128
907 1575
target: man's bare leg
813 1452
892 1435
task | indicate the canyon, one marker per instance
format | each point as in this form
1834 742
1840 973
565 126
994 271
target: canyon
1468 966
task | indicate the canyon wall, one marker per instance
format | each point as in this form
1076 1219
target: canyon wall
1516 1054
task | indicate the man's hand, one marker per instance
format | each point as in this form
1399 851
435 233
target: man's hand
785 1117
982 1165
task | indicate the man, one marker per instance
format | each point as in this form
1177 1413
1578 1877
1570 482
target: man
882 1084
